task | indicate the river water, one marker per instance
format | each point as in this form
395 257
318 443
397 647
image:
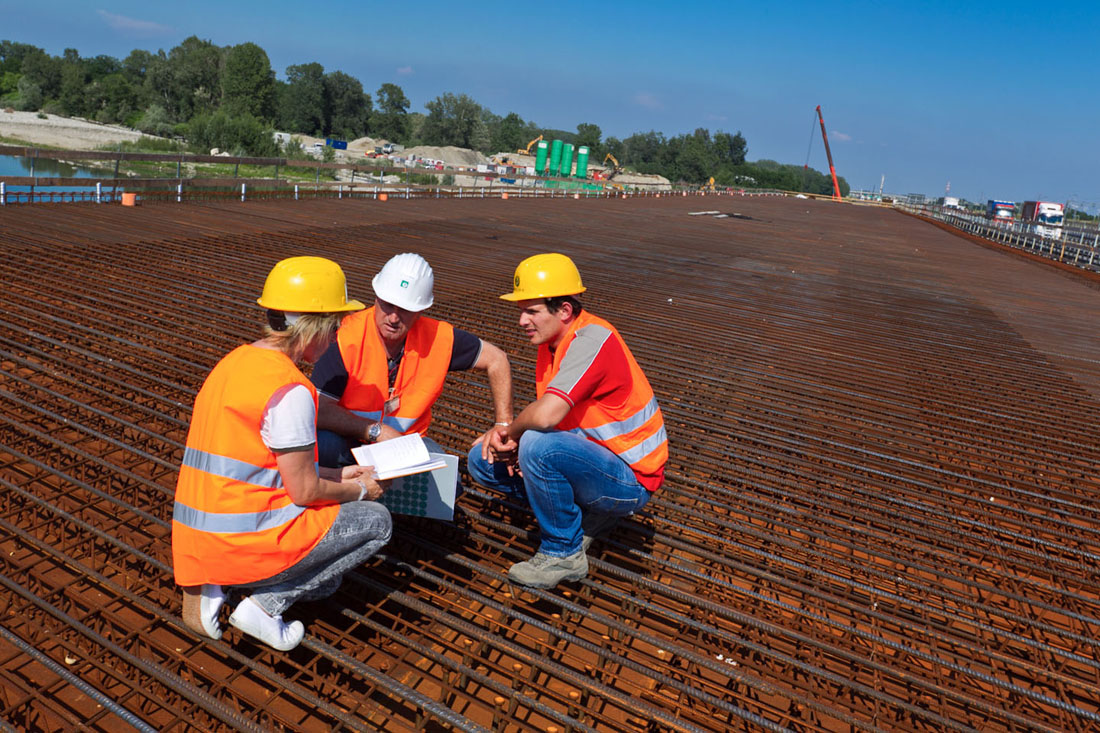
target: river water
12 166
42 167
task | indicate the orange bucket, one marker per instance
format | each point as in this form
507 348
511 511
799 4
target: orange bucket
504 196
129 199
383 197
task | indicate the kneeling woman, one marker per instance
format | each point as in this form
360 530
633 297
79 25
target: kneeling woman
252 511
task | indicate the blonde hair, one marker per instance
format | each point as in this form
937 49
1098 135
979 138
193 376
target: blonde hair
308 327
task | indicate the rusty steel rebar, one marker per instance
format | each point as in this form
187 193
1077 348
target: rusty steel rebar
879 514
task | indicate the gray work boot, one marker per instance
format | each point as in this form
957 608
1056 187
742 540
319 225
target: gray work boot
546 571
594 524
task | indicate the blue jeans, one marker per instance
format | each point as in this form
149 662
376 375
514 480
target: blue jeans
334 450
564 475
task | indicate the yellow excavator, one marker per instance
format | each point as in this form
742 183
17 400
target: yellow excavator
709 185
527 150
614 169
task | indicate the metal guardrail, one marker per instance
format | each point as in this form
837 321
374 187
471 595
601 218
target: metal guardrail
1077 247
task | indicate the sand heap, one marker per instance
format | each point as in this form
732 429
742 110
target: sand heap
69 133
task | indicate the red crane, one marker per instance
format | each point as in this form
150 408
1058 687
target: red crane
829 155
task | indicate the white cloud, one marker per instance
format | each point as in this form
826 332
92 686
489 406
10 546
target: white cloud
647 100
841 136
133 25
405 71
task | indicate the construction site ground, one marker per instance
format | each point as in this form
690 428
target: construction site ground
881 507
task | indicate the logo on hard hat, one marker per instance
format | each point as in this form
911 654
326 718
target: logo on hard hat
517 281
404 283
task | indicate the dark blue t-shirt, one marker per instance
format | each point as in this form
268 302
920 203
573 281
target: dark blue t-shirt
331 376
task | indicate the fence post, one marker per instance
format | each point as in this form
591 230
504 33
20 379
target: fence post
339 191
295 191
3 194
179 192
242 191
98 192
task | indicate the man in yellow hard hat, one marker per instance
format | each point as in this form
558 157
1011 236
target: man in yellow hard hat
592 448
389 364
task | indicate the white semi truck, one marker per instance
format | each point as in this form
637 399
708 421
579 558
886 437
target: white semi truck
1044 218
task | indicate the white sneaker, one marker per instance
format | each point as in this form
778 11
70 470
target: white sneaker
254 621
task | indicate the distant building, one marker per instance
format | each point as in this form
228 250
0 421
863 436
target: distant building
863 195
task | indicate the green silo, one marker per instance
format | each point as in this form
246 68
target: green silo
541 152
566 159
582 161
555 158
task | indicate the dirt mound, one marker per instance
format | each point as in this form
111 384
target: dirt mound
364 145
71 133
450 155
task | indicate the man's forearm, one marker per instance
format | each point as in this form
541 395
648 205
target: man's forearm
500 386
499 373
332 416
543 414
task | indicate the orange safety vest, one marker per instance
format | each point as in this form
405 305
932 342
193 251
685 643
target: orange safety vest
420 377
233 522
633 430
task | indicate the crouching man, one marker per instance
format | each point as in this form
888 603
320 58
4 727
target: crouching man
591 448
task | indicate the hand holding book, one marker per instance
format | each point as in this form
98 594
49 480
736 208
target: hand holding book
398 457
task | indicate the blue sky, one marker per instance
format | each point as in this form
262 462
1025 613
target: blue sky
1002 100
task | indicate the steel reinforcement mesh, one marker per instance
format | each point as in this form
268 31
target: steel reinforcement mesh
880 512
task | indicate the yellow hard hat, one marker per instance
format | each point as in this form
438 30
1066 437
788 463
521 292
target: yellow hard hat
307 285
545 276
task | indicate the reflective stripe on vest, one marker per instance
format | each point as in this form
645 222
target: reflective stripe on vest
400 424
231 468
420 377
234 523
611 430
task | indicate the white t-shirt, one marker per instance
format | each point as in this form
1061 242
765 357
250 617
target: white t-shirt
290 419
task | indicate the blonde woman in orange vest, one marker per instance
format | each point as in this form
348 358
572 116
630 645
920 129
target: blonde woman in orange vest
389 364
253 515
591 448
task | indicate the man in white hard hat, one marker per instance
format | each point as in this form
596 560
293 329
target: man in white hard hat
387 368
592 448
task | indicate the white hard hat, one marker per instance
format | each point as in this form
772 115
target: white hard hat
406 281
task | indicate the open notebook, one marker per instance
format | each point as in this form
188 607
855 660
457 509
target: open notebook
424 484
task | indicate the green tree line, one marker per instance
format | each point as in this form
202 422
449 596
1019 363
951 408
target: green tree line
229 97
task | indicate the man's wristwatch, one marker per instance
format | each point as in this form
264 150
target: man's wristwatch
374 432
